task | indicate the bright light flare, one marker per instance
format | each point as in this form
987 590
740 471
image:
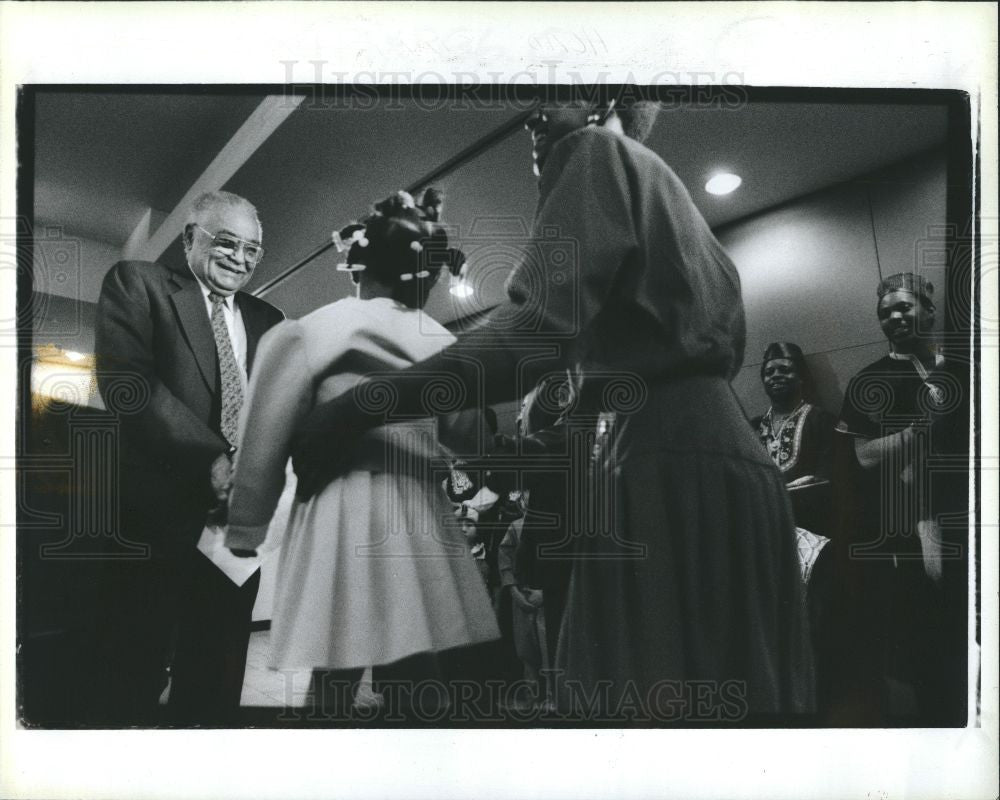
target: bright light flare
723 183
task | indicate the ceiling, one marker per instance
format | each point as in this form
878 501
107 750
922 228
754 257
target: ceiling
101 159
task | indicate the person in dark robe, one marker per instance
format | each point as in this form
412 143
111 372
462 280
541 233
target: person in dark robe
685 600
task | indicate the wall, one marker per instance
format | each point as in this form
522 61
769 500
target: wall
810 268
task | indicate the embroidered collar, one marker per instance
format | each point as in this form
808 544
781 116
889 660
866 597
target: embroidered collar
918 365
783 444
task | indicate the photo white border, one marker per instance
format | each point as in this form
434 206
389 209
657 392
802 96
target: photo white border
891 45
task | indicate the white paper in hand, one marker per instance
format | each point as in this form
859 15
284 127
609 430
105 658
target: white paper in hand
213 544
237 569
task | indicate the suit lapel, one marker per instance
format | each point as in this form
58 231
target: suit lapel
189 304
254 323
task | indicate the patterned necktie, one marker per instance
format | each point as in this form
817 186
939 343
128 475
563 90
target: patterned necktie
229 372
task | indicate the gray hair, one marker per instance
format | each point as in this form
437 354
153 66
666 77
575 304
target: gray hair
208 200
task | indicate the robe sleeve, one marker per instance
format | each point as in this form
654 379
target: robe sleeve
279 395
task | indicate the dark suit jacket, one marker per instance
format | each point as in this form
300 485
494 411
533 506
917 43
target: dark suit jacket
158 372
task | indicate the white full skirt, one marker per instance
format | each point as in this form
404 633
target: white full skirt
370 572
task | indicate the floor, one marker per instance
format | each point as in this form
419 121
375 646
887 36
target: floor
268 688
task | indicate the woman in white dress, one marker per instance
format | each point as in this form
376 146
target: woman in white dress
369 573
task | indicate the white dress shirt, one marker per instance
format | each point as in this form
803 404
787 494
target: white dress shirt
234 322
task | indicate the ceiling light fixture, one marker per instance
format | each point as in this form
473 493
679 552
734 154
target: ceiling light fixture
723 183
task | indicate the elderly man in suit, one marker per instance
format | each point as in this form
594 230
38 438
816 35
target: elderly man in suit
187 336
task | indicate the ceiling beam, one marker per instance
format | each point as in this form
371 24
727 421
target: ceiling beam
150 221
272 111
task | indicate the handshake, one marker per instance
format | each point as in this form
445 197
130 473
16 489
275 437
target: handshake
221 477
315 460
322 448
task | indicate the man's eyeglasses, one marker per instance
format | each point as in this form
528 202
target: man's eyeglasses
252 251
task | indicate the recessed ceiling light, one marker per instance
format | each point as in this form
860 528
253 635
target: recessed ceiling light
72 355
461 289
723 183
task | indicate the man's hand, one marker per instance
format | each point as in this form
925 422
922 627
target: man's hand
222 477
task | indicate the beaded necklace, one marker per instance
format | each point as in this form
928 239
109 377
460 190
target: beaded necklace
774 441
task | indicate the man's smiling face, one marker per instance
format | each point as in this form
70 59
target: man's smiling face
904 318
224 270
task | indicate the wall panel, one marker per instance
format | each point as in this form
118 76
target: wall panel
908 208
810 270
808 273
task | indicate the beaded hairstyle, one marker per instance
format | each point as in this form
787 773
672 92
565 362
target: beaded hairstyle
400 245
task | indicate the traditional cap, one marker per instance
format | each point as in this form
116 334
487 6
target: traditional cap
788 350
907 282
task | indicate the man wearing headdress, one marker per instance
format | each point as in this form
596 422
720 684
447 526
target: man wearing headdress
900 411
